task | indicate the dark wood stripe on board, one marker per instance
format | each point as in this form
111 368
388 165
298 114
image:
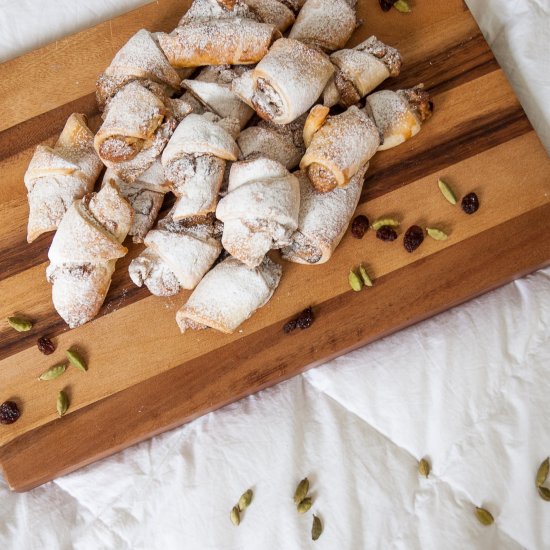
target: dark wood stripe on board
461 142
149 407
30 133
387 172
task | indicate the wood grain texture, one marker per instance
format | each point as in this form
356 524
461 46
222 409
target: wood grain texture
144 376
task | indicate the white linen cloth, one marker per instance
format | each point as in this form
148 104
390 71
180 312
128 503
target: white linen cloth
469 389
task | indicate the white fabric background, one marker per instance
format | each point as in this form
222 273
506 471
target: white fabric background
468 388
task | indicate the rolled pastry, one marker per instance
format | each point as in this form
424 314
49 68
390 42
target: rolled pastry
286 82
228 295
137 126
59 175
260 210
273 12
217 9
139 59
327 24
229 41
399 115
84 252
360 70
324 218
194 161
177 256
340 148
283 143
146 196
212 87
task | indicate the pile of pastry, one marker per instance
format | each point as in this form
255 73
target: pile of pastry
253 114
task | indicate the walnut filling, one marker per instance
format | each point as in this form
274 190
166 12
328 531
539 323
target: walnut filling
266 100
323 180
388 55
348 92
120 148
304 249
419 102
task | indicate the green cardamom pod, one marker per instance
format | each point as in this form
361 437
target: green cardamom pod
436 234
245 500
19 324
446 191
62 403
76 360
365 276
542 473
424 468
384 221
544 493
354 281
484 516
304 505
301 490
53 372
316 528
235 516
402 6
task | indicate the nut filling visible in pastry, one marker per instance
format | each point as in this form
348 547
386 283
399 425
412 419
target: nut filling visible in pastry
189 166
304 249
120 148
324 179
419 102
266 100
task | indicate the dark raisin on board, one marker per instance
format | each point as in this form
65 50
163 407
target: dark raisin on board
359 226
45 345
9 412
470 203
304 320
386 233
414 236
387 5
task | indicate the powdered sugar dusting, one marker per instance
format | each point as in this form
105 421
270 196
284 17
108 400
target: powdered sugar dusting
323 220
229 294
289 79
327 24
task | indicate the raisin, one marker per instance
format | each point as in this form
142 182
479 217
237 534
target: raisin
387 5
413 238
304 320
470 203
45 345
386 233
359 226
9 412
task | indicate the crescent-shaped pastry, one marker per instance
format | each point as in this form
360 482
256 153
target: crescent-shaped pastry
286 82
137 126
84 252
194 162
399 115
327 24
283 143
340 148
178 255
146 196
360 70
139 59
324 218
212 87
217 9
59 175
260 210
273 12
228 295
229 41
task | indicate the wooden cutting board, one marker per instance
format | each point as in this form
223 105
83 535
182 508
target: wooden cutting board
144 376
